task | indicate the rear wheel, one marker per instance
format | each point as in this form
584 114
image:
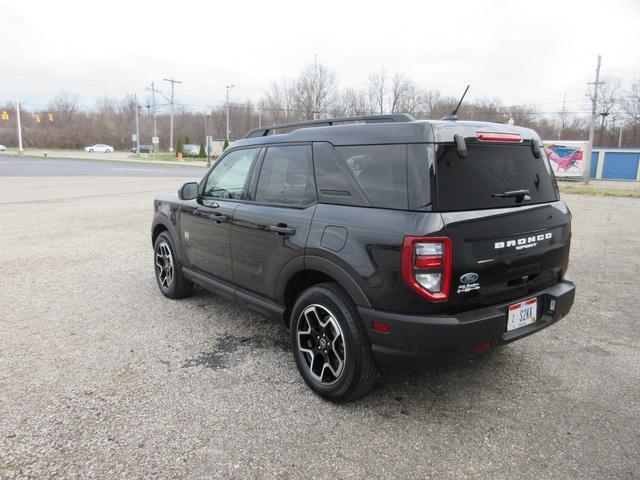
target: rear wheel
168 269
330 344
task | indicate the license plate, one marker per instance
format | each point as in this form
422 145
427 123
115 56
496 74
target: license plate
522 314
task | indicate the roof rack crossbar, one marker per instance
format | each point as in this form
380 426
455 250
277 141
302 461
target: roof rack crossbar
390 118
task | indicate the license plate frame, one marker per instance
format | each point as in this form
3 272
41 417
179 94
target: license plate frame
522 314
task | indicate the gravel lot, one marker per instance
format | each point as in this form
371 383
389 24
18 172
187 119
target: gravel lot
102 377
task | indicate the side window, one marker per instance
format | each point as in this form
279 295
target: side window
227 178
284 176
381 172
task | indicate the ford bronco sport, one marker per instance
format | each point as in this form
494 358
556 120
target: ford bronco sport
379 241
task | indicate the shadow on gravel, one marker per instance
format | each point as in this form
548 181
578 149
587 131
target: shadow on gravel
226 346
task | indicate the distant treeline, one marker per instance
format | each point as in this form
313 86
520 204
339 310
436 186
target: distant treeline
314 93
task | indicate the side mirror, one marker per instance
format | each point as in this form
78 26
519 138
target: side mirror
188 191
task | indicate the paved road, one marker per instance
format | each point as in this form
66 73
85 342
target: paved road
102 377
12 166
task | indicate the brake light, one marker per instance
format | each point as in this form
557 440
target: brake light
426 266
498 137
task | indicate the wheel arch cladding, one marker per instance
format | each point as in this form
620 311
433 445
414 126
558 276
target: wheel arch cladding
320 271
157 230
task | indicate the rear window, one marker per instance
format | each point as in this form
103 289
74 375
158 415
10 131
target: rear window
381 172
477 181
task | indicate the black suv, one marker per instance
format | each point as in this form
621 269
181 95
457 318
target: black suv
379 241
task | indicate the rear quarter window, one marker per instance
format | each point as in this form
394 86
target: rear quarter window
380 171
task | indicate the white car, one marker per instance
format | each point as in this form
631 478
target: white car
99 148
2 148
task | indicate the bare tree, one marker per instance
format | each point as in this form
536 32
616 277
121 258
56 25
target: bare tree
607 106
279 102
315 91
400 86
354 102
631 108
65 104
377 91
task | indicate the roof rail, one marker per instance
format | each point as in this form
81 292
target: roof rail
391 118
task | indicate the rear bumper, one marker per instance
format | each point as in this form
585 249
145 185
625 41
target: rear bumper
415 341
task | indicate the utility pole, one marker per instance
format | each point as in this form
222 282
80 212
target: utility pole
208 134
137 127
229 87
260 115
156 146
620 138
20 150
315 80
172 82
563 115
594 107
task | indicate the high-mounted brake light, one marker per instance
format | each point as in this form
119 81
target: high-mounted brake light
426 266
498 137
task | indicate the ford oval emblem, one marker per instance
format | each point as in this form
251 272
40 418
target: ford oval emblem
469 277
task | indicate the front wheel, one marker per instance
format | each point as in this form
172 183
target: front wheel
171 280
330 344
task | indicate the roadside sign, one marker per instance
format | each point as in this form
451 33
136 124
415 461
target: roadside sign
134 137
155 140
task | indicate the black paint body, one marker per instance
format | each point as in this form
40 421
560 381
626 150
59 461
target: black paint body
233 249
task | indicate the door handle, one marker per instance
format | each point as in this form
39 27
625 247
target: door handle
282 229
219 217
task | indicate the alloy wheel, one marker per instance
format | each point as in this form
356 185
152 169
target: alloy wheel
164 265
321 344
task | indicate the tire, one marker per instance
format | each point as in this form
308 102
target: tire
338 370
168 269
91 150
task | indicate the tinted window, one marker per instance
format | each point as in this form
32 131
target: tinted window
381 171
284 177
227 178
471 183
334 181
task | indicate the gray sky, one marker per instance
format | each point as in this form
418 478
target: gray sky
520 52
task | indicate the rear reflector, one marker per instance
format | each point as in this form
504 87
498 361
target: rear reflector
481 347
498 137
380 326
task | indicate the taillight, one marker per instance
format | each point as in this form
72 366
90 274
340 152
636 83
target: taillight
426 266
498 137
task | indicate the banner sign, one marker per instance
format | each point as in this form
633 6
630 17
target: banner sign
566 157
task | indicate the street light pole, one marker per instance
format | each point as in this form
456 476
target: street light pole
20 150
229 87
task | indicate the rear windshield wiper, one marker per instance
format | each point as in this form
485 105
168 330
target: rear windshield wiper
519 195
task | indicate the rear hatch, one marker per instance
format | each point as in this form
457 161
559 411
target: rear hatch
509 230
